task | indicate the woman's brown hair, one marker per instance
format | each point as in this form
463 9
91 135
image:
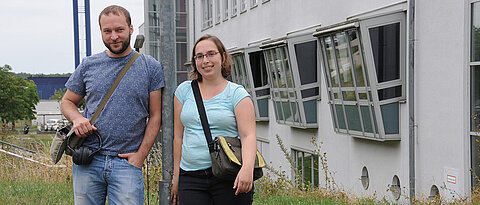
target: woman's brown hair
226 58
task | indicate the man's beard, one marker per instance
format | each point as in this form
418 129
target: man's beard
125 45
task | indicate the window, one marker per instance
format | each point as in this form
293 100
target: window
217 11
306 168
475 69
264 149
475 90
261 87
207 11
243 6
253 3
292 68
254 79
225 10
364 66
181 42
234 8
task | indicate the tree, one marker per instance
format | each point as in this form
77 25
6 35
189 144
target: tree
18 97
58 95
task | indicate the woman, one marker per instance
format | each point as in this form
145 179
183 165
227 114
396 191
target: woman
230 113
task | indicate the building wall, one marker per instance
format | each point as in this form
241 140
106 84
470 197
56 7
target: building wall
46 110
441 95
441 86
46 86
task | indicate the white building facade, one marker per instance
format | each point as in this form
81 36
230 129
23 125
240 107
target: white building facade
352 74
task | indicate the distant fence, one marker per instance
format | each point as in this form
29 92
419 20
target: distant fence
17 147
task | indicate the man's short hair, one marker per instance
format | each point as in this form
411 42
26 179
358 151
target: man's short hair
116 10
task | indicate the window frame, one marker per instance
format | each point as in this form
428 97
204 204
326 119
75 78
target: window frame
248 82
289 62
264 148
377 123
243 6
218 11
225 9
207 14
235 9
315 170
253 4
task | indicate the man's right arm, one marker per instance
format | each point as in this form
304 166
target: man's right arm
69 107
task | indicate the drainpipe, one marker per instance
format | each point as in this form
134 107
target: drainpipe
411 101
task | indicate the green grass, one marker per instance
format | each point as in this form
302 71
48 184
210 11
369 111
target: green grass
279 199
36 193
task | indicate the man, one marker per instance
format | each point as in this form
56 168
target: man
116 170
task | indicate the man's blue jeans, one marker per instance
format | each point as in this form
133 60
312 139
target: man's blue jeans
108 176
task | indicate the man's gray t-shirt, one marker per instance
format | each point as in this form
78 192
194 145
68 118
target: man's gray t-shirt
122 122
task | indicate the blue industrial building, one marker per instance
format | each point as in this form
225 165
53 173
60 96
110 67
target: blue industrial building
46 86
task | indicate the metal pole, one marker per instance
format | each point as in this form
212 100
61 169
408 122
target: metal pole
88 28
411 97
76 38
167 58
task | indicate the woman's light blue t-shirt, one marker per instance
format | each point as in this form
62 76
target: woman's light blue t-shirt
220 115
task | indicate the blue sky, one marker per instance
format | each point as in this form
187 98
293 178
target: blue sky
37 36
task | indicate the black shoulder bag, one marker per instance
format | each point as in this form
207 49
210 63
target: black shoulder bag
65 139
225 152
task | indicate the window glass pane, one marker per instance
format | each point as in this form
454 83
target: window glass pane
284 71
331 61
340 117
336 95
307 169
385 42
306 54
362 96
225 9
475 50
349 96
181 77
153 5
278 109
367 120
181 20
263 107
262 92
181 56
180 6
259 71
263 148
343 59
357 58
287 112
390 117
273 67
310 92
154 34
389 93
296 115
238 69
217 11
334 116
310 111
475 143
353 118
234 7
475 95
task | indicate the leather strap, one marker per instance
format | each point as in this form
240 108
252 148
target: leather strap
203 114
110 91
113 87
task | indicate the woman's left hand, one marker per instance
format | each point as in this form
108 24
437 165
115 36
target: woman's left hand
244 181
